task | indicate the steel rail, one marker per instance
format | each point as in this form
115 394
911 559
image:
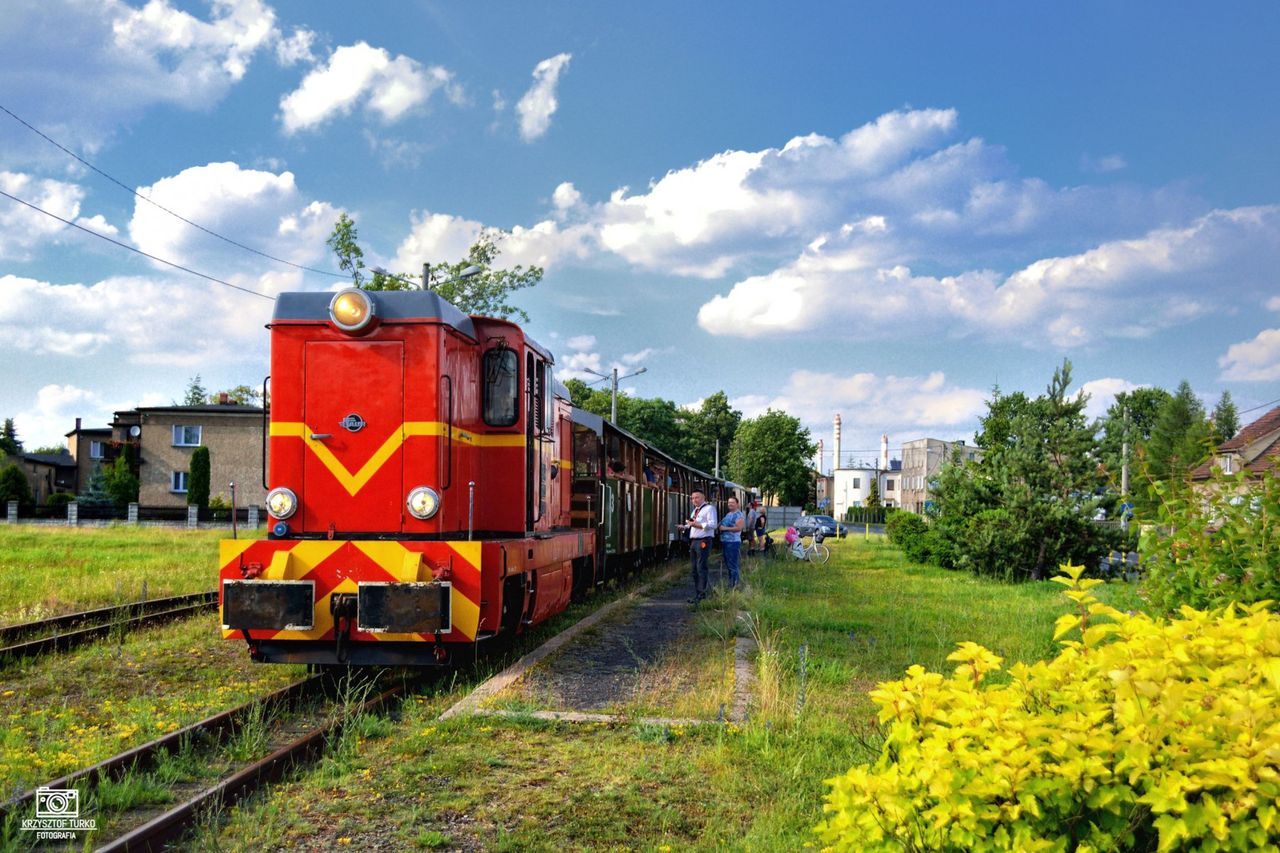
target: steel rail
173 824
108 619
143 757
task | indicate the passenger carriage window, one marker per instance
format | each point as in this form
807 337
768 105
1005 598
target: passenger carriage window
501 388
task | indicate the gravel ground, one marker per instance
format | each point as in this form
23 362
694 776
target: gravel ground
603 668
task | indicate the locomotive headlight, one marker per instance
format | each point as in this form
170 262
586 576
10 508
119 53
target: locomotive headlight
423 502
351 310
281 502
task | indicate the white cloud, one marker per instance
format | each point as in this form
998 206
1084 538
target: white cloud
360 74
905 407
566 197
1273 304
1149 283
1103 164
1256 360
538 104
53 414
443 237
296 48
259 209
24 230
1102 394
172 322
581 342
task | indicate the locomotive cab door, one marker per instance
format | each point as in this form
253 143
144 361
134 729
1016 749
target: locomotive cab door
353 420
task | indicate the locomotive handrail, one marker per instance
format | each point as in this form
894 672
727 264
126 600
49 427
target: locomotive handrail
448 477
265 409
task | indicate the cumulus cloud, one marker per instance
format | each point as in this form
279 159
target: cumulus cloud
258 208
295 48
362 75
54 411
1256 360
173 322
24 230
581 342
1155 281
905 407
539 104
442 236
1102 394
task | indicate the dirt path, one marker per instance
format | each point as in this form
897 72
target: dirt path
605 666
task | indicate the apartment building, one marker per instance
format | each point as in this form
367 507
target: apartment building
922 459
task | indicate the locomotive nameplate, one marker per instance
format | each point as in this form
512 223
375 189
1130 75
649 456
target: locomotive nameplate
268 605
353 423
404 608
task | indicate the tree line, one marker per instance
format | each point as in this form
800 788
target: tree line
1048 475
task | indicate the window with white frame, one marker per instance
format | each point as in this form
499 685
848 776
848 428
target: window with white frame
1226 465
888 485
185 435
857 482
97 449
178 482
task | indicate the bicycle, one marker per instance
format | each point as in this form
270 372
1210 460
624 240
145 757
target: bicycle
814 552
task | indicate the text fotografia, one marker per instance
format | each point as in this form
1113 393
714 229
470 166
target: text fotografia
58 816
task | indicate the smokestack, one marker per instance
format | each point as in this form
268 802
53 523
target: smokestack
77 424
819 457
835 456
884 451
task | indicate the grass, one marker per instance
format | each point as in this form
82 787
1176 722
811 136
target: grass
524 784
61 712
47 570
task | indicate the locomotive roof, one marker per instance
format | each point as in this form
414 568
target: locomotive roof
390 305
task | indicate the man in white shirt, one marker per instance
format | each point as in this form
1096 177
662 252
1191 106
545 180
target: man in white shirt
702 530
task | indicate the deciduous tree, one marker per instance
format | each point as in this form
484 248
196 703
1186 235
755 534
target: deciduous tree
13 487
196 394
773 453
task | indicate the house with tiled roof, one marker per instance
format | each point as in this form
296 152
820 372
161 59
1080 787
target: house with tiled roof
1253 450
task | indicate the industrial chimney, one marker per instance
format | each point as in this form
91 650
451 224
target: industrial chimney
835 456
818 466
884 451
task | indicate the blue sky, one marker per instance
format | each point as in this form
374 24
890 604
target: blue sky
880 210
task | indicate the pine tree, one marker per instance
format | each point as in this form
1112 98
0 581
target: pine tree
873 496
1180 438
9 439
1226 421
95 492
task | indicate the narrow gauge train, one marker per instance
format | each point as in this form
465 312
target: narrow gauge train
432 488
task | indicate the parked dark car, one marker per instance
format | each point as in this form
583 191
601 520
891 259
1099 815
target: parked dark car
807 524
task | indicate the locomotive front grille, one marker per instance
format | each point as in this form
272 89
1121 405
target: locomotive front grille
259 605
404 608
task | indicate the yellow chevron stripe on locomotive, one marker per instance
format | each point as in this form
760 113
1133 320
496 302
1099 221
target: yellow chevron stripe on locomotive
263 583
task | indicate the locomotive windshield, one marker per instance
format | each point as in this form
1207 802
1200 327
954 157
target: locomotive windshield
501 388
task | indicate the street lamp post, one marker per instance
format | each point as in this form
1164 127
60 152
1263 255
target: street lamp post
614 379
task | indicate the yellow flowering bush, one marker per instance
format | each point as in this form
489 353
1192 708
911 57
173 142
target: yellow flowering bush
1142 733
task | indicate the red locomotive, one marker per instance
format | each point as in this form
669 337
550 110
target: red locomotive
432 488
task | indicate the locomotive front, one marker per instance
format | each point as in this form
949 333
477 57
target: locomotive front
404 457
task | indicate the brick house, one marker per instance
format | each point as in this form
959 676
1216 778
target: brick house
1254 450
46 473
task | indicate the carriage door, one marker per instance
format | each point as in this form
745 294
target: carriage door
353 418
537 426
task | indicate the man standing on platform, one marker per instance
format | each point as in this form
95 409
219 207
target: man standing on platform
701 525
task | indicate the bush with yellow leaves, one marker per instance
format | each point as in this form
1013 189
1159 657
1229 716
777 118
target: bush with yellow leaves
1142 734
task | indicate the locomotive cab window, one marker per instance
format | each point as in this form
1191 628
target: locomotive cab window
501 387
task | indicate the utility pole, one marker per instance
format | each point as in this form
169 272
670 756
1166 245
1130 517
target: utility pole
717 458
1124 456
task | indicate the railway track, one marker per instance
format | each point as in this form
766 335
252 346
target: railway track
296 743
60 633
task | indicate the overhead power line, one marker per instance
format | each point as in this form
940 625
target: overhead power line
137 194
1255 408
136 251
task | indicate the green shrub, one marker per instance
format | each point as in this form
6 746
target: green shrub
1214 545
911 533
14 486
59 499
1166 737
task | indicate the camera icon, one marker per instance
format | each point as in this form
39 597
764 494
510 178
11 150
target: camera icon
53 802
